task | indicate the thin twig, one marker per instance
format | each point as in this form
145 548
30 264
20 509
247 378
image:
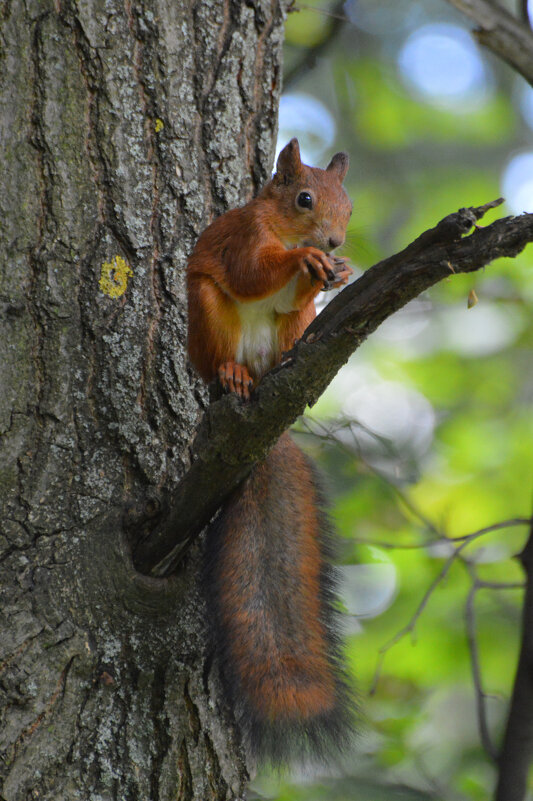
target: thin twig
517 749
414 619
514 521
501 585
329 433
457 554
390 546
400 494
524 12
314 427
481 710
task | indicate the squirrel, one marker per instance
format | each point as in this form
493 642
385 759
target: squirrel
268 578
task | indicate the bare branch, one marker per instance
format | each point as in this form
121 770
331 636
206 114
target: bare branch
457 553
481 708
502 33
524 12
325 432
400 494
501 585
517 750
514 521
233 436
410 627
443 538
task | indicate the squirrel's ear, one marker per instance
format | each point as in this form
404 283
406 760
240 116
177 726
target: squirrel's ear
339 164
289 163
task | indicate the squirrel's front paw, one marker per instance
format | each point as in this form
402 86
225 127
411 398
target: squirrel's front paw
235 378
342 271
317 265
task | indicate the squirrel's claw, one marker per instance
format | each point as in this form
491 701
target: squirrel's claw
235 378
341 273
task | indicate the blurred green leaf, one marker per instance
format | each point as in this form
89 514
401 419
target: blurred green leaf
412 163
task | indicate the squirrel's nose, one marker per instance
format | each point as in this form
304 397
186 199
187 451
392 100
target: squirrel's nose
335 241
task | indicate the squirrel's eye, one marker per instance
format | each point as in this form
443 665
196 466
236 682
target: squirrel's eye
304 200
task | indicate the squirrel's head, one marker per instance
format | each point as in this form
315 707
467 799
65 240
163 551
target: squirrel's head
311 205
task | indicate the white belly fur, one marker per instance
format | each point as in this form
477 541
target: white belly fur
258 346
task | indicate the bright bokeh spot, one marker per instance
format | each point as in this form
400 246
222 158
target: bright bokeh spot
442 64
517 183
368 589
391 410
420 329
307 118
488 328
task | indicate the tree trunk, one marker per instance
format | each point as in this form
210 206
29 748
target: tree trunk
124 127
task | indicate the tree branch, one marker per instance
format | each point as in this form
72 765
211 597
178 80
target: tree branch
480 696
524 12
502 33
233 436
517 750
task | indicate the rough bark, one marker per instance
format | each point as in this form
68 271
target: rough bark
123 128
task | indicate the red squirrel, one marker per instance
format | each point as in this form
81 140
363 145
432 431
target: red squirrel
268 578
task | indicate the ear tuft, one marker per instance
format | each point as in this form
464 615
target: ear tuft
339 164
289 163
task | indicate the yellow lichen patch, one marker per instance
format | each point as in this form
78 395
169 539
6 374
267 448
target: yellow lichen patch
158 125
114 277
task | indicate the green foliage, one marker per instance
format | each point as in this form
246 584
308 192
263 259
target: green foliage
426 435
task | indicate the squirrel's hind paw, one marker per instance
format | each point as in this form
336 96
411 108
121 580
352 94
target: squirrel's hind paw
235 378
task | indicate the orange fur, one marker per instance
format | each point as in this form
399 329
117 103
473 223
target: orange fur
252 253
252 281
292 326
290 676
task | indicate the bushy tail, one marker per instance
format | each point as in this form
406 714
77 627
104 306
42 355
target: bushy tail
269 585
